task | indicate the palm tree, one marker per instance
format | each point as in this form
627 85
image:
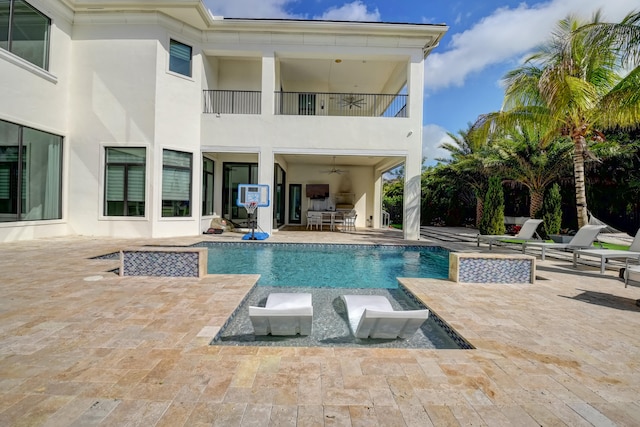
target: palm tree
577 85
520 157
466 162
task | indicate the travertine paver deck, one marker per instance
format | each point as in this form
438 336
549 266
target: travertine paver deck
81 346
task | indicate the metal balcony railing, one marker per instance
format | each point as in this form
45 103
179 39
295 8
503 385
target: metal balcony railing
340 104
232 102
307 103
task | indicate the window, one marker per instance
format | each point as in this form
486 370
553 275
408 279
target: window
176 183
24 31
125 181
207 186
30 174
180 58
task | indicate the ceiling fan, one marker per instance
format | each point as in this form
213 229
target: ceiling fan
334 169
351 101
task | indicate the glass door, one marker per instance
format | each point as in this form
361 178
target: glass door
295 203
234 174
279 181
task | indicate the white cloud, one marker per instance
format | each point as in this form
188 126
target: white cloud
356 11
506 35
251 8
432 137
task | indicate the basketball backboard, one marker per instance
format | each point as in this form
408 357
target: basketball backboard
248 193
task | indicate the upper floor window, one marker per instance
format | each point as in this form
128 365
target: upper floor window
30 174
180 58
176 183
24 31
125 181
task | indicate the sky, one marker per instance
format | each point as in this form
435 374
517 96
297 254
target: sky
463 74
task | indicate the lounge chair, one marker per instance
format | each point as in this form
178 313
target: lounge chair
606 254
631 272
583 239
372 316
527 232
283 314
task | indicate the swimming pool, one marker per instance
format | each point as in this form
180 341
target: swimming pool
327 265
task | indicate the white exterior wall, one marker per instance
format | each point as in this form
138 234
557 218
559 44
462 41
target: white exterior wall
31 96
109 85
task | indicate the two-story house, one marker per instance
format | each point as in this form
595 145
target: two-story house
140 118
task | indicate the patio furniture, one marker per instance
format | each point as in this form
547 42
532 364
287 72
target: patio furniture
314 219
350 220
372 316
631 272
583 239
606 254
283 314
527 232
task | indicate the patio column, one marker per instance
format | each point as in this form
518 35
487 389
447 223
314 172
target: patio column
413 160
268 83
265 176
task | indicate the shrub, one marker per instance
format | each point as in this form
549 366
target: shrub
492 221
552 211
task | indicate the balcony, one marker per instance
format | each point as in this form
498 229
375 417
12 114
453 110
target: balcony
307 103
232 102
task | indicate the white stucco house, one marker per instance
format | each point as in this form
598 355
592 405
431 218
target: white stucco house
140 118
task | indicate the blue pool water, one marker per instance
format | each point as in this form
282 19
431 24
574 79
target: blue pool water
333 266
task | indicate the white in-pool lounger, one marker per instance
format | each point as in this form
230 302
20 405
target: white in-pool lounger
372 316
283 314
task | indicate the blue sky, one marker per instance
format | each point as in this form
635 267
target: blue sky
462 76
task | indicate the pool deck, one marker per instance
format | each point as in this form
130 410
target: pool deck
82 346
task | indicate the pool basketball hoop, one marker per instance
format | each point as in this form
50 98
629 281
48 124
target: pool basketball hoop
251 197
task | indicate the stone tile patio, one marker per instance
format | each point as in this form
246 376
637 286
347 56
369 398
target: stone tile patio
82 346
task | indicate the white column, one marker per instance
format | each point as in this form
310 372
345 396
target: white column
265 176
377 199
413 161
268 83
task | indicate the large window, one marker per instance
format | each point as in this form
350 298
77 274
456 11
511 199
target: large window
24 31
176 183
207 186
125 181
180 58
30 174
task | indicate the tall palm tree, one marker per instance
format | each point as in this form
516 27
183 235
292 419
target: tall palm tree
466 161
577 84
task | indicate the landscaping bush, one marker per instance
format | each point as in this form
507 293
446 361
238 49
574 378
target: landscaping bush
552 211
492 221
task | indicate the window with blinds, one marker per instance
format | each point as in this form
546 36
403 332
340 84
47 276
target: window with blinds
180 58
125 181
176 183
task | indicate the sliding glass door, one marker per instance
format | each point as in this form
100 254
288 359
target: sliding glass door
234 174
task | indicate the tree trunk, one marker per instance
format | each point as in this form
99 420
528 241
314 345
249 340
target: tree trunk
536 197
479 210
579 145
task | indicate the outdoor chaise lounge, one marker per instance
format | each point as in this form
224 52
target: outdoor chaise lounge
372 316
527 232
631 272
583 239
606 254
283 314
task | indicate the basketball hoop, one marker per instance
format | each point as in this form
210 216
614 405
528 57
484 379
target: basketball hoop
250 207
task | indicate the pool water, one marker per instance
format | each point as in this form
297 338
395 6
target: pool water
333 266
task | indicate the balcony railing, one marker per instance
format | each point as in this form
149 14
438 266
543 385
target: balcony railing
340 104
232 101
307 103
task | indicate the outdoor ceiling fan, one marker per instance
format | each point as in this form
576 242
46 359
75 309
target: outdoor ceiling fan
334 169
351 101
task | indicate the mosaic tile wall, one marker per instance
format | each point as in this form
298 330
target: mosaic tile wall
487 270
169 264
